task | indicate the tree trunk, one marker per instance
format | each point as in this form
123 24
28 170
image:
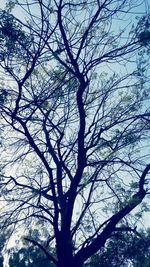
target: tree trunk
65 254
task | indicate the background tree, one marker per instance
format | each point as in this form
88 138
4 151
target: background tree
74 105
124 250
23 253
28 256
3 238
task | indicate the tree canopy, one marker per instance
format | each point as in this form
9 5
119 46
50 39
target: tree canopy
75 120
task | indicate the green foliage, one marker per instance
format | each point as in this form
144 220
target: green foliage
3 96
143 31
14 42
28 257
144 37
3 239
122 249
27 254
10 4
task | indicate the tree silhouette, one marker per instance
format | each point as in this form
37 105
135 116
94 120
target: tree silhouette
74 121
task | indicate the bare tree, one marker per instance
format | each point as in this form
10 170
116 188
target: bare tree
74 120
